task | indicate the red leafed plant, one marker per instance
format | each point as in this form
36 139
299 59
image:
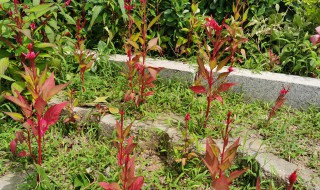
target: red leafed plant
139 74
35 118
216 51
125 148
218 161
84 57
279 102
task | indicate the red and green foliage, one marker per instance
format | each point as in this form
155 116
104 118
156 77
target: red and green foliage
218 161
279 102
217 50
125 148
140 75
292 179
83 57
36 118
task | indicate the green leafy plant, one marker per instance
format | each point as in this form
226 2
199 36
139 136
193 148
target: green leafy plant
35 117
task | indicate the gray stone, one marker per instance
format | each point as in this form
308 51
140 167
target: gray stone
107 123
11 181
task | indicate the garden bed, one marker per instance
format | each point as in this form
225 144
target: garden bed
78 154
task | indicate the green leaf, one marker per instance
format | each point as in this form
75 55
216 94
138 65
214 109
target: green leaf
101 99
4 63
19 86
15 116
6 77
4 1
96 11
44 45
35 2
121 4
39 8
50 33
154 20
113 110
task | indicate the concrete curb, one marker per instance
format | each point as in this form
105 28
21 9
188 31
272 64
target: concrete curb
304 91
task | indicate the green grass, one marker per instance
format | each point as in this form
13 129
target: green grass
74 157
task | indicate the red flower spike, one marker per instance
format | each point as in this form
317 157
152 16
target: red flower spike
187 118
33 26
230 69
213 24
10 13
284 91
68 2
293 177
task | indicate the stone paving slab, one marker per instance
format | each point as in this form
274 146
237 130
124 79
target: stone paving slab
11 181
304 91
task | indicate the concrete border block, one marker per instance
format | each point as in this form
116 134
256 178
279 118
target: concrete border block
172 70
304 91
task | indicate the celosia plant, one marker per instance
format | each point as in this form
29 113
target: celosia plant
125 148
225 40
83 57
36 118
139 74
218 161
279 102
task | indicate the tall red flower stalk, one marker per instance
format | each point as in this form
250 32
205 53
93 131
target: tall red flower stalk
279 102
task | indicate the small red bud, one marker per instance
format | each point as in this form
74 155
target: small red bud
33 26
121 112
230 69
293 177
187 118
30 47
67 33
284 91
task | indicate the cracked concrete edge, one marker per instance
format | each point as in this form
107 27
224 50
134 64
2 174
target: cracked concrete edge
304 91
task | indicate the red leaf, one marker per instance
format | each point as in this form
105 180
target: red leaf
236 174
53 113
221 183
149 93
137 184
198 89
47 86
16 101
129 148
13 146
22 154
108 186
152 42
40 105
49 89
225 86
258 184
154 71
20 136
